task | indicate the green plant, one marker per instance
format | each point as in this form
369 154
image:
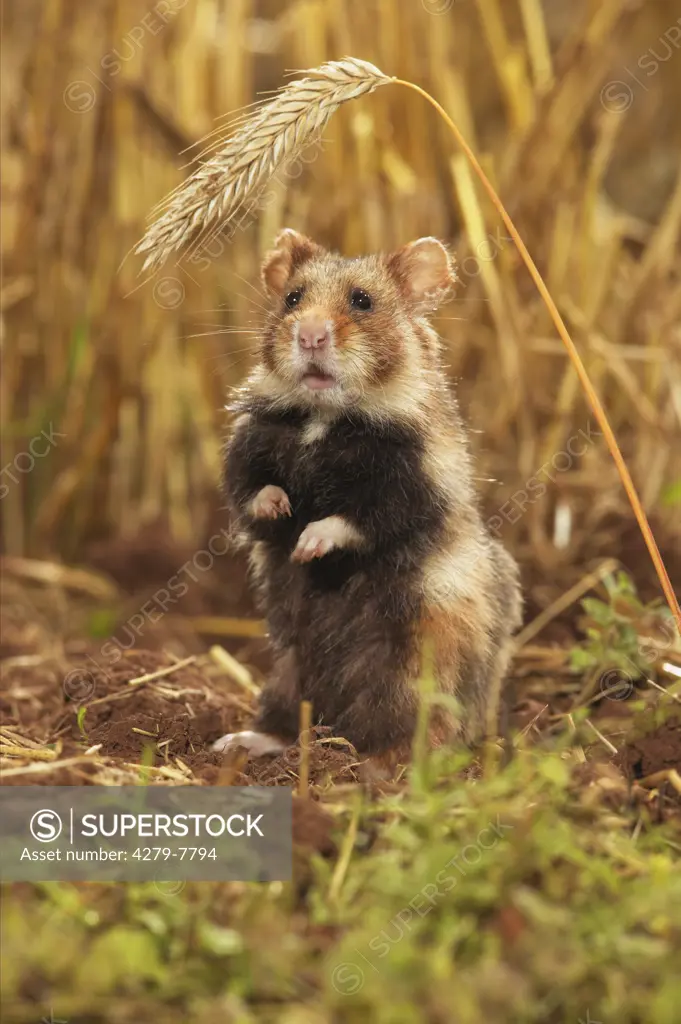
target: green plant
622 633
80 719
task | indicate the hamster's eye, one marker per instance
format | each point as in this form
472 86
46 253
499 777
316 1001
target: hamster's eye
293 298
359 299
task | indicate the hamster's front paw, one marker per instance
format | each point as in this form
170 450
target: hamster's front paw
317 539
256 743
270 503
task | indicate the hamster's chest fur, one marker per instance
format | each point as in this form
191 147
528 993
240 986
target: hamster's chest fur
348 463
371 473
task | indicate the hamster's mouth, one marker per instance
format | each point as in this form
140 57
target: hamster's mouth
318 380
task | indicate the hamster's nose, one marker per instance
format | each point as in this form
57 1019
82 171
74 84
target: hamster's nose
313 334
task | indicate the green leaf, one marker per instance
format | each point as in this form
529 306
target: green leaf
121 956
220 941
80 718
597 610
671 495
102 622
555 770
581 659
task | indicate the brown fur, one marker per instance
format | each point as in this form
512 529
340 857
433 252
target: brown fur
385 450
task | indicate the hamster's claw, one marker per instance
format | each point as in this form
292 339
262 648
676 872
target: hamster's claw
270 503
311 545
317 539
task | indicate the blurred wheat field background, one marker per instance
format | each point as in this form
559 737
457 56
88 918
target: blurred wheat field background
573 110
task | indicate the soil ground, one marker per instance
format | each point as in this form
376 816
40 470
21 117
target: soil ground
53 668
592 810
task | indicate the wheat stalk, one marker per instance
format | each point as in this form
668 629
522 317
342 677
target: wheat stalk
276 133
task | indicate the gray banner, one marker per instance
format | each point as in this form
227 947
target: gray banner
145 833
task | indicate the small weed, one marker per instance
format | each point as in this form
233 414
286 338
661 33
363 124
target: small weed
80 719
622 633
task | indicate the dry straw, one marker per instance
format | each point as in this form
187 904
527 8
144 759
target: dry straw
275 134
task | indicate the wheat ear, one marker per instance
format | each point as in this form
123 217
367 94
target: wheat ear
274 135
277 132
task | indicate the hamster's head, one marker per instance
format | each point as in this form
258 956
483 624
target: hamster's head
342 332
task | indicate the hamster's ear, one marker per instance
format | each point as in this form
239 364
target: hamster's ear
291 249
425 272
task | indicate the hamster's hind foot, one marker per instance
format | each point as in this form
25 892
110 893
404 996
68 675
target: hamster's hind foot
256 743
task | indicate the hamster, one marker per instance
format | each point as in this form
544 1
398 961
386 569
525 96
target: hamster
349 478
